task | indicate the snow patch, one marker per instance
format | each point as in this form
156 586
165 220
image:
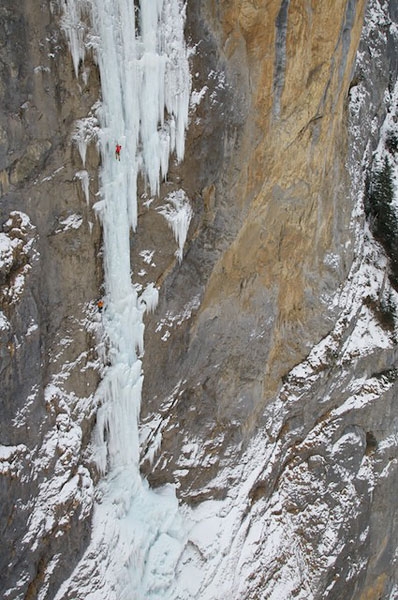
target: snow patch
171 320
17 254
52 176
197 97
73 221
7 246
147 256
4 322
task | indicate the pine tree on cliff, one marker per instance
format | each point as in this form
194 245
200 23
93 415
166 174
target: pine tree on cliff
382 214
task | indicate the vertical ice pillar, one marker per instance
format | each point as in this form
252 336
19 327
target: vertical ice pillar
145 84
145 87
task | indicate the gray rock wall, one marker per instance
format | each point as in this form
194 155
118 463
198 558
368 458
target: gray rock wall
49 275
263 282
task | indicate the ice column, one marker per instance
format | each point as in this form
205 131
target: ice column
145 84
144 75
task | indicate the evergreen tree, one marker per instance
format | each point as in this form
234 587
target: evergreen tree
382 216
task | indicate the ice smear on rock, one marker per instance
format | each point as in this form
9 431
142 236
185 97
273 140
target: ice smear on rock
86 131
84 179
178 213
137 534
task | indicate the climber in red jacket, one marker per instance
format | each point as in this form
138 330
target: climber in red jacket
117 151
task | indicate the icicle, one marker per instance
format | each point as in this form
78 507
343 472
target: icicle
149 298
75 30
85 183
178 213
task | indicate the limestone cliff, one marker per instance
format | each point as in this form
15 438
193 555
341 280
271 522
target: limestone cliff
269 395
277 213
50 273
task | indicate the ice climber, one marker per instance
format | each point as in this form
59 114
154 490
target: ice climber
117 151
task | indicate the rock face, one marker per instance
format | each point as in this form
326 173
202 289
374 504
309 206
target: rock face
272 263
270 363
49 273
265 288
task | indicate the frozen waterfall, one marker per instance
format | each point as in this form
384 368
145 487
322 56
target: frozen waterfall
137 534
